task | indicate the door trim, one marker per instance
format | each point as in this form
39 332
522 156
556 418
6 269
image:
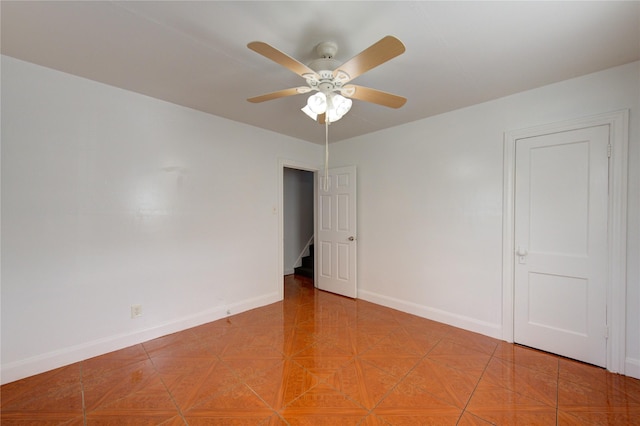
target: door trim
618 123
298 165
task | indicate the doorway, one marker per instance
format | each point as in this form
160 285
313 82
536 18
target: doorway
614 128
296 166
560 282
298 202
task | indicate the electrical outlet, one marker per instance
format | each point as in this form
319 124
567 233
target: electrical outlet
136 311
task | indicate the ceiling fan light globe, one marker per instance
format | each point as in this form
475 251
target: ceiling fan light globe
332 116
309 113
317 103
341 105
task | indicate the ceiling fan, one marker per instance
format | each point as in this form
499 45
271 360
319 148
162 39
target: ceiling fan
329 78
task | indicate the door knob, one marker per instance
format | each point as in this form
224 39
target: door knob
521 252
352 238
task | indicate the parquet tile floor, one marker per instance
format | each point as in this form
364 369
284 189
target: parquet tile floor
320 359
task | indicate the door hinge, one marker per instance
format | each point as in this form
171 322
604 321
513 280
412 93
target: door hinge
606 332
609 148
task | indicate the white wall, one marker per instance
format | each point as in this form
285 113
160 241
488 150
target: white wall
298 215
110 198
430 202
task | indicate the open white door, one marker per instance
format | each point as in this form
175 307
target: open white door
561 250
336 232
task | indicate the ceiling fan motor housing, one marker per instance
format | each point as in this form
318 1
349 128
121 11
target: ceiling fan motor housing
326 63
324 82
324 66
321 64
327 49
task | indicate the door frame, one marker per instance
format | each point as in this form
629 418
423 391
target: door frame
298 165
618 122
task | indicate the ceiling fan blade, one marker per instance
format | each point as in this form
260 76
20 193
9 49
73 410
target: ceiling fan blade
321 118
378 53
280 94
281 58
374 96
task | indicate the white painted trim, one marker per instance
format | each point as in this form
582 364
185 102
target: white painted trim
455 320
56 359
508 232
290 164
632 367
618 122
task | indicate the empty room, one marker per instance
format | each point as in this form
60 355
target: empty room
319 212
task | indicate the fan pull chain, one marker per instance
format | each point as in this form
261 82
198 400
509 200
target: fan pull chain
326 155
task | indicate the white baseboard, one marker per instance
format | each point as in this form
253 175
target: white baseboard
632 367
289 271
455 320
40 363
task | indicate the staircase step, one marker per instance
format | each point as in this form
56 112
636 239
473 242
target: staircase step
304 271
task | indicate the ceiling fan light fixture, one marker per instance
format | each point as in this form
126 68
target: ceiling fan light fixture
334 105
325 76
310 113
317 103
341 105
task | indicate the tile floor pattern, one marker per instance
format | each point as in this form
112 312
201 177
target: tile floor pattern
320 359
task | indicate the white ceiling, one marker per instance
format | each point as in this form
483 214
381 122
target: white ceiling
194 53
